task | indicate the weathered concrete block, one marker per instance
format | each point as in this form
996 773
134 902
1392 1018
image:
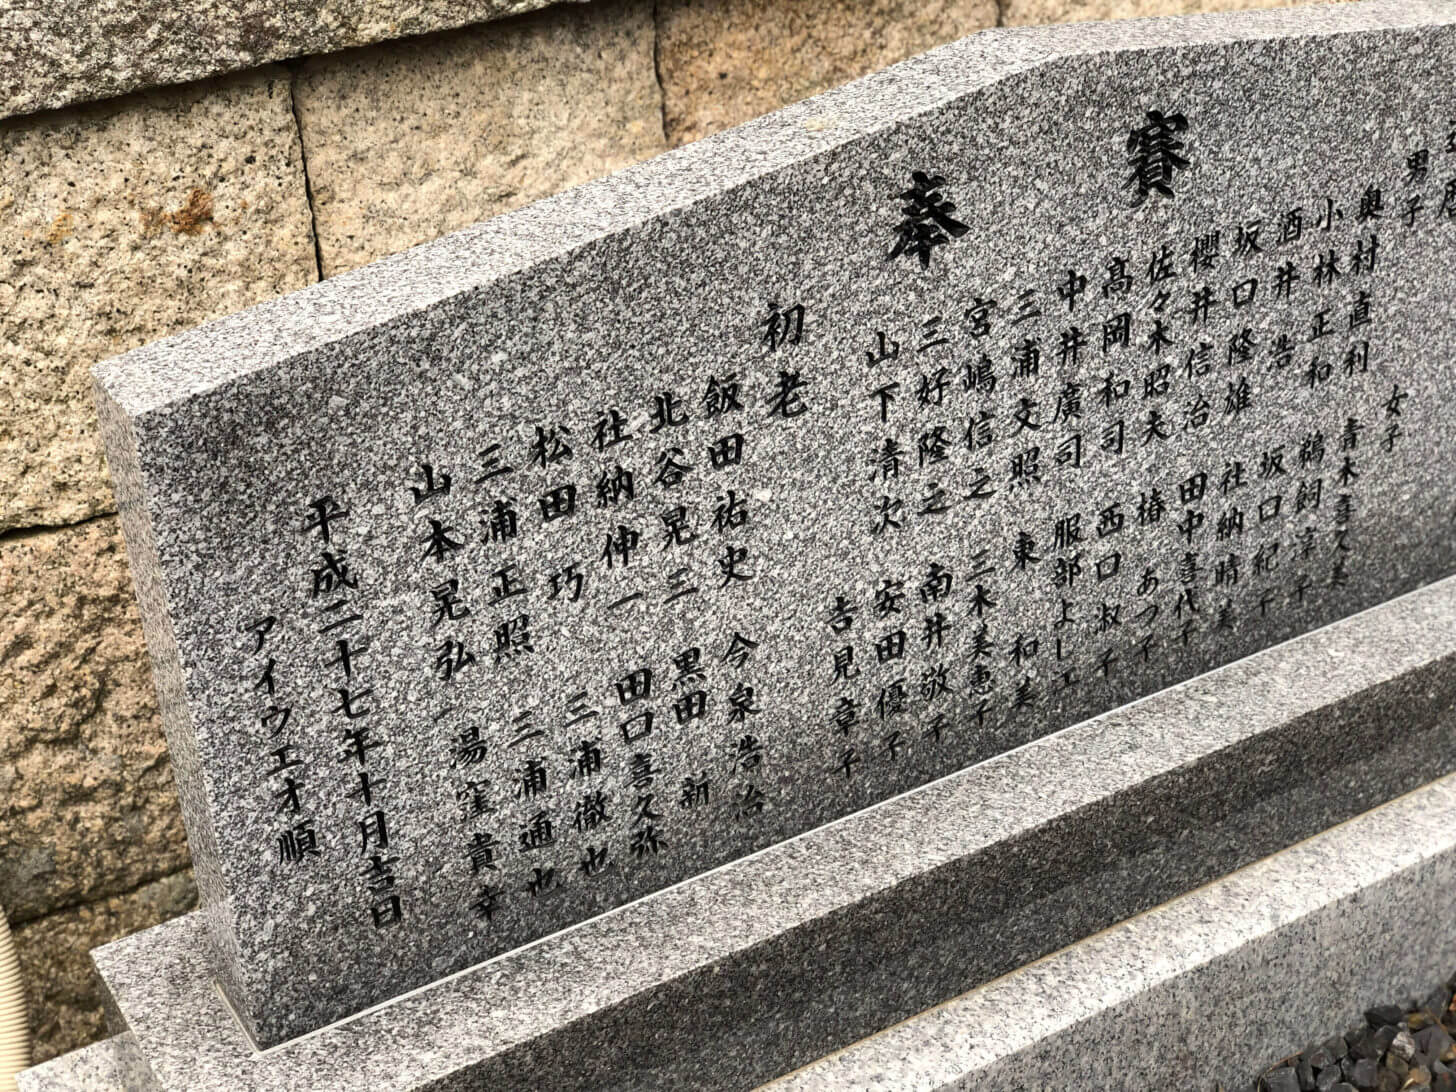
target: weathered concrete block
409 141
65 994
65 51
725 61
120 224
87 803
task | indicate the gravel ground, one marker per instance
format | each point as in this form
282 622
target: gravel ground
1399 1047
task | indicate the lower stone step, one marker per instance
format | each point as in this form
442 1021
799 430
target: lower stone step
766 964
1208 990
112 1065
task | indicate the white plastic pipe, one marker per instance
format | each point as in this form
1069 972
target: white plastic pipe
14 1018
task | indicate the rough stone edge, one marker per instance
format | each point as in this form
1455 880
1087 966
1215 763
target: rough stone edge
1384 882
134 390
772 920
147 379
112 1065
233 49
194 784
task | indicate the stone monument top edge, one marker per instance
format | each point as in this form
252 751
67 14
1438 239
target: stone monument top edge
509 579
230 347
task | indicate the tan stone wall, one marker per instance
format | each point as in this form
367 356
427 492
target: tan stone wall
119 223
136 217
411 140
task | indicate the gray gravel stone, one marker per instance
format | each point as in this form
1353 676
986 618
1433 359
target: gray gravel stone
1362 1073
64 51
1379 1016
1319 1057
1281 1080
237 447
1362 1045
1433 1041
1398 1049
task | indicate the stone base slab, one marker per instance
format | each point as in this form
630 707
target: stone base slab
760 967
112 1065
1212 987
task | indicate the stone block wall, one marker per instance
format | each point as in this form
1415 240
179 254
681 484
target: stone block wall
140 205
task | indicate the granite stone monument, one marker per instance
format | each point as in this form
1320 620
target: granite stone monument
529 572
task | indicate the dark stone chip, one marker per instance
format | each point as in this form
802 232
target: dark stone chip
1433 1041
1383 1015
1362 1073
1397 1049
1364 1045
1437 1003
1382 1038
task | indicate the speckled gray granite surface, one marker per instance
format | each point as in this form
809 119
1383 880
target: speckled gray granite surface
64 51
762 966
112 1065
520 575
1206 989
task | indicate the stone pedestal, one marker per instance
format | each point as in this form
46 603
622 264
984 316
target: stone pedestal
773 961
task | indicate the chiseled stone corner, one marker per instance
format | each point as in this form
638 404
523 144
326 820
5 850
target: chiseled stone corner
120 224
329 420
65 51
88 807
726 61
1021 12
1204 991
410 141
110 1065
65 993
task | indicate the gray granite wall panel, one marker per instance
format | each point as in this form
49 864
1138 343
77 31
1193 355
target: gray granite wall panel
553 563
